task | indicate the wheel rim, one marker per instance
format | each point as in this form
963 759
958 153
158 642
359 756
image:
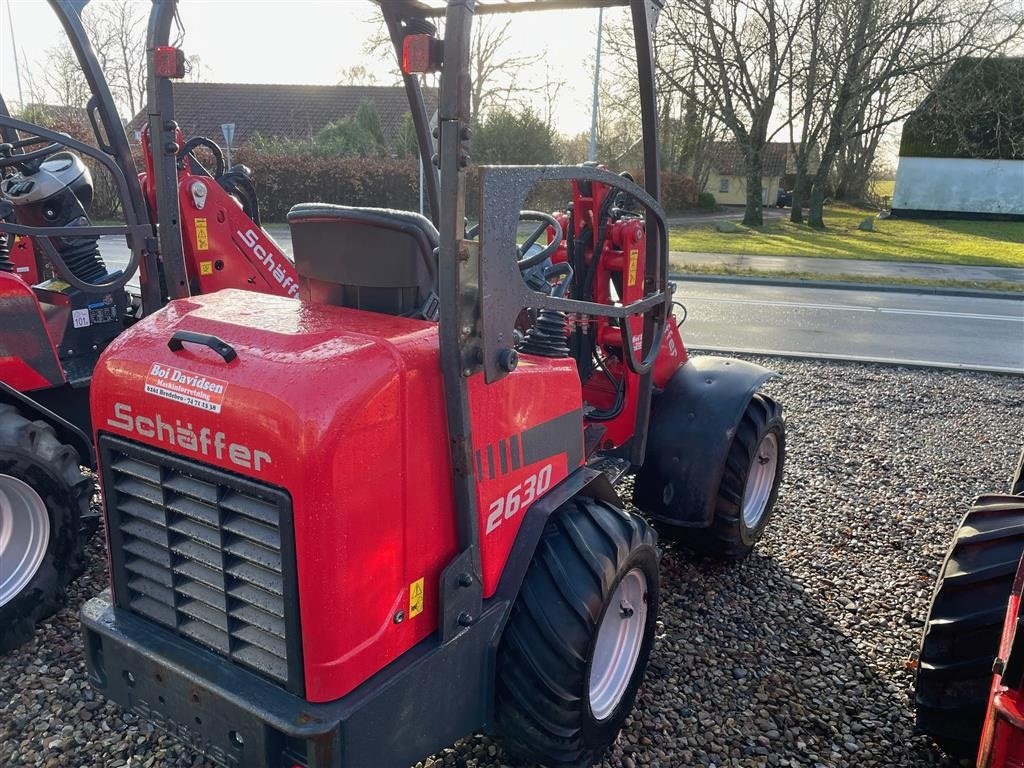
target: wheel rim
24 536
760 480
619 639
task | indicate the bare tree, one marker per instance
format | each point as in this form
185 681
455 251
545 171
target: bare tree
495 71
117 29
61 82
357 74
810 88
733 55
885 53
497 80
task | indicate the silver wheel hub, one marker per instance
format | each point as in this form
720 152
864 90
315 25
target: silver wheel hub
619 639
24 536
760 480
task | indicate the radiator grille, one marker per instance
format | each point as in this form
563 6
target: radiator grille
200 551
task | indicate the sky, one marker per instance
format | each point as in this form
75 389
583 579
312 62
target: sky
313 42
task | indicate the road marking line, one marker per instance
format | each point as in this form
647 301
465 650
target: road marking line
717 348
853 308
940 313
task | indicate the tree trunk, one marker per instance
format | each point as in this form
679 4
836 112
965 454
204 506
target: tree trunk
796 213
753 214
815 210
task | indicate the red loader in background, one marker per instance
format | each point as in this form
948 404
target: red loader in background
60 305
350 529
970 677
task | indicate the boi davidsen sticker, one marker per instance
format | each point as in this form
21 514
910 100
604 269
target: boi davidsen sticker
186 387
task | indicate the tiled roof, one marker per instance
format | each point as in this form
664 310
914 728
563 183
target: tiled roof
282 111
729 159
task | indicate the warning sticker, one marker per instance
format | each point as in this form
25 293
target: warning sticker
634 257
205 267
202 238
196 390
416 598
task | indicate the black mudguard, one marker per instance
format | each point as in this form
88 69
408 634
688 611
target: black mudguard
71 430
693 422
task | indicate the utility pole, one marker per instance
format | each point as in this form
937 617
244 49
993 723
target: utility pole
592 154
14 51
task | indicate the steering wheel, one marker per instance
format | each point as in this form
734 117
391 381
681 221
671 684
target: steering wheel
187 152
27 160
525 261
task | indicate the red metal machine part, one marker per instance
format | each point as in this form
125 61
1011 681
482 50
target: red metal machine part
26 263
617 279
1002 738
223 247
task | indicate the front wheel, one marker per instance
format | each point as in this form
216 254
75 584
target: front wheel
750 483
574 651
43 499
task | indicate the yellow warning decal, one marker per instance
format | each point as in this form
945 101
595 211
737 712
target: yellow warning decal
205 267
202 239
416 598
634 257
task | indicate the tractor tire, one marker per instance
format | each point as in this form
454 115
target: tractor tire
965 623
44 496
576 645
750 484
1017 483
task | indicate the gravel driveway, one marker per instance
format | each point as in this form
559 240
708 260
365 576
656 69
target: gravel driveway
801 656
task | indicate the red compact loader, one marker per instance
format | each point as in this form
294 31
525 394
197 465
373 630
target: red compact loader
60 305
351 529
970 674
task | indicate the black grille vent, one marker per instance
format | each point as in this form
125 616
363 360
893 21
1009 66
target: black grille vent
205 553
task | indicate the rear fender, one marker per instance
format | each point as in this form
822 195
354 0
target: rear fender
66 431
693 422
28 359
585 481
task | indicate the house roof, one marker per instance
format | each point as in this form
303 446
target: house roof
728 159
975 111
282 111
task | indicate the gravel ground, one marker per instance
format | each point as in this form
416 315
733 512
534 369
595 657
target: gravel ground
801 656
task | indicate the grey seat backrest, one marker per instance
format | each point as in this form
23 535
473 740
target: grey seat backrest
374 259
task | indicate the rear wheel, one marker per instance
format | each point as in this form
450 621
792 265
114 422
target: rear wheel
965 622
576 646
43 498
750 483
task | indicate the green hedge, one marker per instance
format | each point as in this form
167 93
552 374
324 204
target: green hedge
285 180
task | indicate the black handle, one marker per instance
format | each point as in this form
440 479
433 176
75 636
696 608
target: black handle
222 348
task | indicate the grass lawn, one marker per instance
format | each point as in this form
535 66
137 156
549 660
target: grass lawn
984 243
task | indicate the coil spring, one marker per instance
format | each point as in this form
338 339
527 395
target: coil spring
548 336
6 240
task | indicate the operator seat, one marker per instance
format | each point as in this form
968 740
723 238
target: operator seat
375 259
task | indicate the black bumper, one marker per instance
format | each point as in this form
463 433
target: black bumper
431 697
232 716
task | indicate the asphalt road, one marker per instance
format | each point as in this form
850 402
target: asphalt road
897 327
882 326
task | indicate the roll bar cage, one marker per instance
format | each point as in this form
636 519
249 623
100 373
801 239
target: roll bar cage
114 153
476 282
